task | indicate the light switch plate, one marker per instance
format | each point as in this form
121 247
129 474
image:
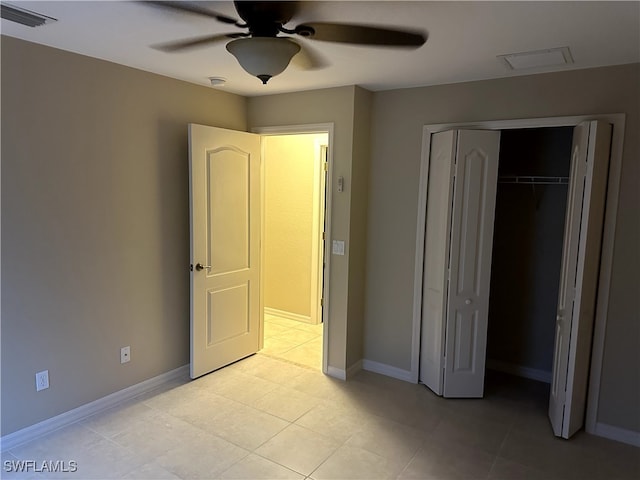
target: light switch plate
337 247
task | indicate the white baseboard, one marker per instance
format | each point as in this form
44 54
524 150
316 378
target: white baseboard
289 315
616 433
387 370
519 370
37 430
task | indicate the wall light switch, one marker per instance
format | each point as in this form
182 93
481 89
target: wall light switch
337 247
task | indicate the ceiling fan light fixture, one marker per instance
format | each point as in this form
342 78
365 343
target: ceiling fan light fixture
263 57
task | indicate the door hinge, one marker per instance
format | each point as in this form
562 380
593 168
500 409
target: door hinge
325 166
322 302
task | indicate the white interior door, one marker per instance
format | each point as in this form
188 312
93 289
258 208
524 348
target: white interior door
474 199
436 258
579 276
224 170
463 175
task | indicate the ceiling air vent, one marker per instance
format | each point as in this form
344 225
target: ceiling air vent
552 57
24 17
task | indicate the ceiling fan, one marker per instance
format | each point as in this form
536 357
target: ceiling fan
263 51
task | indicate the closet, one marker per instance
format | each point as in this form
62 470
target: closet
511 256
531 199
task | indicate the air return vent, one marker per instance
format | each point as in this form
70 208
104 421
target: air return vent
552 57
24 17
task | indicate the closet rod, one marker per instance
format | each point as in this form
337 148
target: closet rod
537 180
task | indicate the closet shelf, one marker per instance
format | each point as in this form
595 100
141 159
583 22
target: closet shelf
536 180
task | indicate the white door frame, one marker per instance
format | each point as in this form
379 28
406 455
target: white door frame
608 238
293 130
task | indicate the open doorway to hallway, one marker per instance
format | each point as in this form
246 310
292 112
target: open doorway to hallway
293 341
294 200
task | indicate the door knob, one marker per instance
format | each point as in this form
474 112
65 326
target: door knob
199 266
467 301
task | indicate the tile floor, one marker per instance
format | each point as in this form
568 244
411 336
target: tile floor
266 418
293 341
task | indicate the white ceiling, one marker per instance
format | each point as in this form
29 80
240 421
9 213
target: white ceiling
464 40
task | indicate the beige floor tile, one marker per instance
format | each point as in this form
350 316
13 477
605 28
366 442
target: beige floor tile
94 456
205 456
236 423
321 386
61 444
277 346
192 408
298 336
356 463
299 449
318 329
14 468
472 431
117 419
272 329
243 425
550 454
276 371
447 460
165 430
151 471
255 467
333 421
285 403
285 322
388 439
309 354
238 386
507 470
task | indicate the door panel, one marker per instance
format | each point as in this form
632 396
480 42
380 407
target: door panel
436 258
579 276
227 202
568 275
225 240
474 199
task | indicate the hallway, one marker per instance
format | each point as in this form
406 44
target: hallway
293 341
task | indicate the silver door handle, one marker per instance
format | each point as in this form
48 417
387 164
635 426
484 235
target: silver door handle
467 301
199 266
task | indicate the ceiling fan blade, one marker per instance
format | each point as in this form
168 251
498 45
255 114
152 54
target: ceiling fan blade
196 42
309 58
361 34
192 8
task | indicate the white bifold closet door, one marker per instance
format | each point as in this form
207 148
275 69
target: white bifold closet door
463 172
579 276
463 167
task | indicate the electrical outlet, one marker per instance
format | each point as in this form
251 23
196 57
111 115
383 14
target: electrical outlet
42 380
125 354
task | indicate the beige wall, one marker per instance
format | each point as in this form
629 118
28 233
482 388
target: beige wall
398 117
95 217
95 225
289 166
358 229
335 105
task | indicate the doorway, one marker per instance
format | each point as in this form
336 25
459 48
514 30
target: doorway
226 188
600 260
294 198
531 200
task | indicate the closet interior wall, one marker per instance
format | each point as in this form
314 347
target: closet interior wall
527 249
